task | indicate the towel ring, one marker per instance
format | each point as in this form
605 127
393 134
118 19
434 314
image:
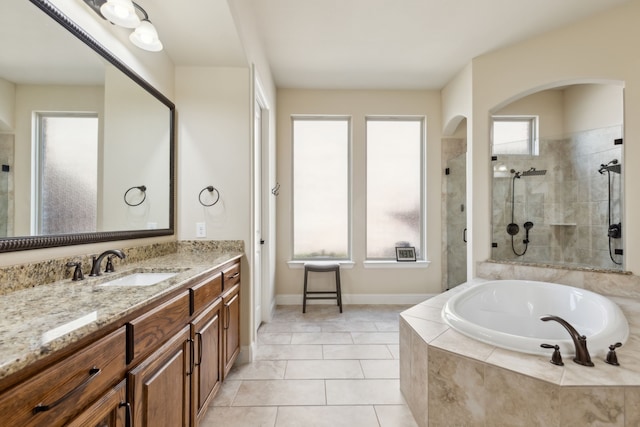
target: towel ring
210 189
143 190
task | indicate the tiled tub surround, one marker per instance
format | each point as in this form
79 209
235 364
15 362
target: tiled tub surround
449 379
37 321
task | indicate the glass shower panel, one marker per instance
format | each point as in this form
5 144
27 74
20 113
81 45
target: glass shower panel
456 221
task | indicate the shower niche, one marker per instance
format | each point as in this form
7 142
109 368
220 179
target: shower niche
560 201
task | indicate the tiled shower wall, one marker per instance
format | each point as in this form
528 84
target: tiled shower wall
568 205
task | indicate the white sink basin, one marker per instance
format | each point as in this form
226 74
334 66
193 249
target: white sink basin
139 279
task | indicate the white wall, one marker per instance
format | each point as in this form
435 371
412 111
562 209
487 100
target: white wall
599 49
7 105
359 281
589 107
214 150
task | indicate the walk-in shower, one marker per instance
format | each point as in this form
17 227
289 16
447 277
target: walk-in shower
614 229
512 228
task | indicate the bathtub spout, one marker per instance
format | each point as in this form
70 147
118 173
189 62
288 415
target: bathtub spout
579 341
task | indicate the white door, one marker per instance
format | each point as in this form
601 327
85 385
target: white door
257 217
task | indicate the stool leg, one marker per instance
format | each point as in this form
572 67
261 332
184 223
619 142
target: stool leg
339 290
304 292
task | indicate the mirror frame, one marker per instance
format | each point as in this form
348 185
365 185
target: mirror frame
11 244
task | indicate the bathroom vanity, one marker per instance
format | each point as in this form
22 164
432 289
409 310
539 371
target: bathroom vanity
86 354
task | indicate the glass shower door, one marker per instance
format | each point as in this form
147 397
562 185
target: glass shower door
456 221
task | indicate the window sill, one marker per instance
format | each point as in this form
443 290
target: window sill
397 264
300 264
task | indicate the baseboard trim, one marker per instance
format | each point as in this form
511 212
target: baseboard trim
381 299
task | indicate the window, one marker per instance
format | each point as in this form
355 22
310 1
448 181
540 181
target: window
395 176
321 183
67 183
515 135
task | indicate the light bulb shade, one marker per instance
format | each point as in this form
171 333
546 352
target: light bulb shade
120 12
146 37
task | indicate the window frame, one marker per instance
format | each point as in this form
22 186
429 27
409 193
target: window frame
324 117
533 148
422 256
38 152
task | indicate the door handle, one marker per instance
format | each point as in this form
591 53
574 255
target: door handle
464 235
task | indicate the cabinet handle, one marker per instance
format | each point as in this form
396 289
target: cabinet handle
93 372
234 276
191 355
227 305
227 316
199 335
128 413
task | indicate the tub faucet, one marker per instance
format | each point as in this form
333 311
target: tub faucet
95 267
579 341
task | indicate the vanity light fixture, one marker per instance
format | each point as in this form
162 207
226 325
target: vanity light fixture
120 12
145 37
125 13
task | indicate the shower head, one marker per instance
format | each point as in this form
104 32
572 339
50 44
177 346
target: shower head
534 172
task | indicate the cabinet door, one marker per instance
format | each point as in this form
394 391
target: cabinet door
111 410
159 388
231 327
207 342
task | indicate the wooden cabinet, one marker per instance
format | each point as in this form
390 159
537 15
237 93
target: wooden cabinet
161 366
111 410
159 387
59 393
231 328
207 375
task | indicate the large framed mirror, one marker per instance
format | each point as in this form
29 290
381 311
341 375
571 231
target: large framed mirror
86 144
558 178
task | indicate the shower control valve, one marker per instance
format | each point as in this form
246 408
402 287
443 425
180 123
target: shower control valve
556 357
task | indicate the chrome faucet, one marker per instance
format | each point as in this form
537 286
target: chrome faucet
579 341
95 267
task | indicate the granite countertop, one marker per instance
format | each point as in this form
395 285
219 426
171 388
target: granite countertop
40 320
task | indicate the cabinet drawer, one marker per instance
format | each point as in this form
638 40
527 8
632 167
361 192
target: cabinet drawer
231 276
60 392
149 331
205 292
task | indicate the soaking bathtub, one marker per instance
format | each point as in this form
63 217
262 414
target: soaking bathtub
506 313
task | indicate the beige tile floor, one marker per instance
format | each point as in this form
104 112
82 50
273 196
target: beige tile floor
319 369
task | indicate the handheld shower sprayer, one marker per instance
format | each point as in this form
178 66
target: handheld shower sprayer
527 226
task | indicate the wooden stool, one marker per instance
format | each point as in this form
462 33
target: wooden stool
322 268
